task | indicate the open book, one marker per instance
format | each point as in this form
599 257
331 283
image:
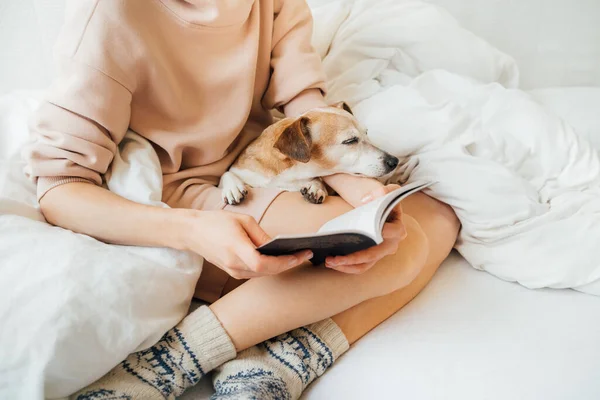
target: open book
353 231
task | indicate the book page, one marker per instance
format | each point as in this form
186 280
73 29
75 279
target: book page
363 219
370 218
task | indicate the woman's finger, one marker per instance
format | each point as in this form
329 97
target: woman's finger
380 191
369 255
354 269
269 265
394 230
256 234
239 273
234 266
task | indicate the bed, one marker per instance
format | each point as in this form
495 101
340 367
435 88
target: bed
468 335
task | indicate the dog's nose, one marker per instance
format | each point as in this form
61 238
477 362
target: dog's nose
391 162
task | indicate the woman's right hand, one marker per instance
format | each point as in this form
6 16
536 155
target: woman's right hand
229 241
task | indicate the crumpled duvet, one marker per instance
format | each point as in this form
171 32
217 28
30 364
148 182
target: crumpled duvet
73 307
525 186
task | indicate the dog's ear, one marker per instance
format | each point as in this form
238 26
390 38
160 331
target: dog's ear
295 141
344 106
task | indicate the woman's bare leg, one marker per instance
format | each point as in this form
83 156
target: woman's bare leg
440 225
265 307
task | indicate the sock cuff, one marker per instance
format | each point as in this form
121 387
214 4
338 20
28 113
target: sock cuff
332 335
207 338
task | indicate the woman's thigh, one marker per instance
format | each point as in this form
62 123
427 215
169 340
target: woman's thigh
289 213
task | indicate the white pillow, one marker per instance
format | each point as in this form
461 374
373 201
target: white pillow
327 15
385 42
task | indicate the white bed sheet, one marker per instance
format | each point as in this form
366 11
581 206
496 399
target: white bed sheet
472 336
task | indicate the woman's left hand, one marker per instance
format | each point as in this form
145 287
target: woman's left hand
393 233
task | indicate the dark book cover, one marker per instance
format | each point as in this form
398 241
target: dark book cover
335 244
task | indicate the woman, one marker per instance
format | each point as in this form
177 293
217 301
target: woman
197 78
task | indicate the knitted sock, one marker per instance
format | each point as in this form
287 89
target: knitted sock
281 368
185 354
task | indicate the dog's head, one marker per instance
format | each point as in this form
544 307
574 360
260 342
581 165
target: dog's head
330 140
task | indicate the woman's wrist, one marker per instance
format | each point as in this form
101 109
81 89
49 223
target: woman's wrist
175 227
307 100
352 188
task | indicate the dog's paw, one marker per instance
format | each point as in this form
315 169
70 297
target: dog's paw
233 190
314 191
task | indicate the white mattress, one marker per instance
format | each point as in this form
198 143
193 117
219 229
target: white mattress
469 335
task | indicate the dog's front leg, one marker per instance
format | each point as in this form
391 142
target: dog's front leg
233 189
314 191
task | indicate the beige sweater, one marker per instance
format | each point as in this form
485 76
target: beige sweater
196 78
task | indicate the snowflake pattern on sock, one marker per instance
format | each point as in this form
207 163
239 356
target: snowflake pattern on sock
166 365
299 355
252 384
169 367
302 352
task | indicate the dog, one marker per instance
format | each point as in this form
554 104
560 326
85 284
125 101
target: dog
295 153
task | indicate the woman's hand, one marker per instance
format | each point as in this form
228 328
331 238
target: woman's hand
229 240
393 233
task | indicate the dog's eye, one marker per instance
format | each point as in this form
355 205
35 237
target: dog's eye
353 140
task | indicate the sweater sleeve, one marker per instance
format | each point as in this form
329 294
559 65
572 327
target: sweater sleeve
295 65
77 128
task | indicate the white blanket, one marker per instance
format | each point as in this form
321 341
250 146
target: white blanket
525 187
72 307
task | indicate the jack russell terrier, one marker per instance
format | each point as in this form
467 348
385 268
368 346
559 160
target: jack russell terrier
293 154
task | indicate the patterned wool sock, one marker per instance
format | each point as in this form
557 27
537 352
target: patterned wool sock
185 354
281 368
